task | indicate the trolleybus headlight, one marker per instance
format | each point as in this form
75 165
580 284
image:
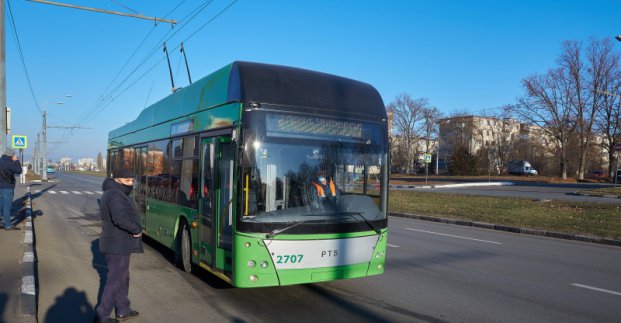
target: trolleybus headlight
251 263
264 264
247 244
254 278
380 266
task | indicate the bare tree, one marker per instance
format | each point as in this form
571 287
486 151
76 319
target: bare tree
407 115
504 137
547 104
586 79
100 161
608 121
430 129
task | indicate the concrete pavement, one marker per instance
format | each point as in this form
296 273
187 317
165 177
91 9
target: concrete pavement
17 287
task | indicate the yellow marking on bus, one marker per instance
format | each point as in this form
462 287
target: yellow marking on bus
220 275
246 190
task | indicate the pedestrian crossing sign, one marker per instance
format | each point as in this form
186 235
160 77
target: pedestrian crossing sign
427 158
19 142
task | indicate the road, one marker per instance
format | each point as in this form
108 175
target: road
535 191
434 273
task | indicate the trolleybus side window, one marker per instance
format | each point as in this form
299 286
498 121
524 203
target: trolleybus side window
159 176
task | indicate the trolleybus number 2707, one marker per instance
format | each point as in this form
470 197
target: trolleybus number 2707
227 175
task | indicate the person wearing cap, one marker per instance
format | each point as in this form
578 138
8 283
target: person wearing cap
120 237
9 167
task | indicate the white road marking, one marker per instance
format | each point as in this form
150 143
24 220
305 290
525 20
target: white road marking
52 192
450 235
64 192
99 192
89 193
392 245
596 289
76 192
37 191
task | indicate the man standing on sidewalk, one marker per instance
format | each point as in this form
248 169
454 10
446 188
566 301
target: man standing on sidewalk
9 167
120 237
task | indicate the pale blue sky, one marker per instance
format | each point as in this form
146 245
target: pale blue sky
461 55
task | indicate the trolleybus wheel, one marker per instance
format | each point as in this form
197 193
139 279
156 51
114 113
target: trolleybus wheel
183 255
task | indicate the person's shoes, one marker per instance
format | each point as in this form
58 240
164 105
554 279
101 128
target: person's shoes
12 228
127 316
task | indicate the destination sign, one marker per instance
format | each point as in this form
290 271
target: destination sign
313 125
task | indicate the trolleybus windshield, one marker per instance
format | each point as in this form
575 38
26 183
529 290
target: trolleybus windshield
285 156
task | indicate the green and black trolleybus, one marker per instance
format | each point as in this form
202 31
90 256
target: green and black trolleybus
226 175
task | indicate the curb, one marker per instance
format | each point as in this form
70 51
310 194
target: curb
28 289
454 185
535 232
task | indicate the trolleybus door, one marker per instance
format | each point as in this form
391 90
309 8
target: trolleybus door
216 207
206 237
140 185
226 169
225 207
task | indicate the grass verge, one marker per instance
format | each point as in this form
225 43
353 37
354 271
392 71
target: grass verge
594 219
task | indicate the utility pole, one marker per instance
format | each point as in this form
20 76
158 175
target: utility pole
35 158
45 126
3 143
44 154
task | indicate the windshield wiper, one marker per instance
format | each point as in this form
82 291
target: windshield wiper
281 230
351 214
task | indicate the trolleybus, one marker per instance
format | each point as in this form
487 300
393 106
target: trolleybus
225 170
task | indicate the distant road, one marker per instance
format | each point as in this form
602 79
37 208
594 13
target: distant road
434 273
532 191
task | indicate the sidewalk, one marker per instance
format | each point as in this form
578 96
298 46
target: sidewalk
13 306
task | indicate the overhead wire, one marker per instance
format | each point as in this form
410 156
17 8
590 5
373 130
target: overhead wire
126 7
104 104
98 101
107 97
21 57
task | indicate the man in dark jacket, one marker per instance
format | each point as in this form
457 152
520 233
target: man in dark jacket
120 237
9 167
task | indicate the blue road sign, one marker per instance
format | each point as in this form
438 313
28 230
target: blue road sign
427 158
19 142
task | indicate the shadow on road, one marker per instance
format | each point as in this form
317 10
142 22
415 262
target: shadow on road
204 275
3 300
71 306
37 195
99 263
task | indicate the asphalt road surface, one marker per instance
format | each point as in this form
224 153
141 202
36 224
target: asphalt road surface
534 191
434 272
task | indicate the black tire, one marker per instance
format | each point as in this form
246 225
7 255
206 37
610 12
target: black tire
183 254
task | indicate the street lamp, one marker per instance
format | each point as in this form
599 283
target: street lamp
44 166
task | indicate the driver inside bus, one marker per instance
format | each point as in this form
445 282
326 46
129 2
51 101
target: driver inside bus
324 191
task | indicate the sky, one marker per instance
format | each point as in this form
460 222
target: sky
98 71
